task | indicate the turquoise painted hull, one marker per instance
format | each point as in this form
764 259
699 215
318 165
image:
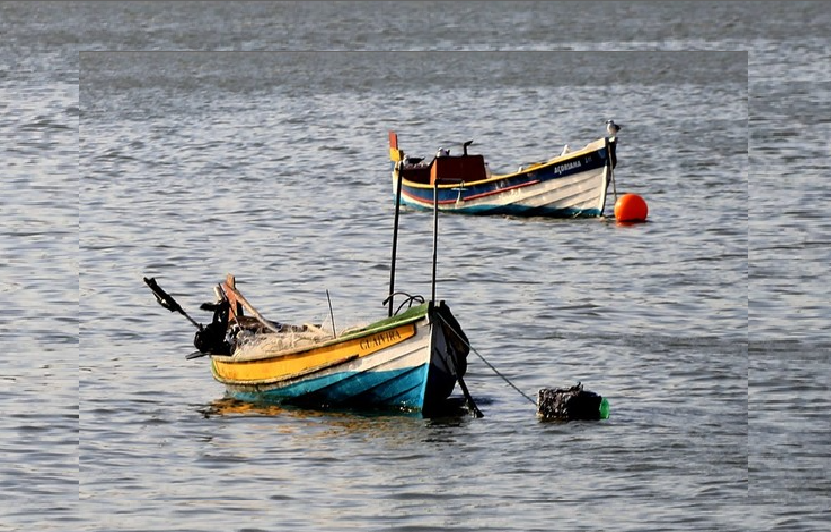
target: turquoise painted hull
402 388
512 210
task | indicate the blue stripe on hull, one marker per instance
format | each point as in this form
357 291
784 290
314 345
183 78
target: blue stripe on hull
511 210
395 389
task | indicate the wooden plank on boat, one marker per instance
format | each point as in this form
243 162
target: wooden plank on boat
230 287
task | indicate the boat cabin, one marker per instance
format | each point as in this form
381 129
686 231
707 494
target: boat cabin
458 168
465 167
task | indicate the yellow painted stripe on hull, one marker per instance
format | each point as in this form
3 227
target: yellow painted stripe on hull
282 366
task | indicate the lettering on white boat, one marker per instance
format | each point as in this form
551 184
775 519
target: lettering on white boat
380 339
571 165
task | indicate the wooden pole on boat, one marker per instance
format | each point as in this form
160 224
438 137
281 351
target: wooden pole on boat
231 286
435 234
395 239
462 385
611 166
332 313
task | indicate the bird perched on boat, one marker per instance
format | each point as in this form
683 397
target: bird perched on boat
612 128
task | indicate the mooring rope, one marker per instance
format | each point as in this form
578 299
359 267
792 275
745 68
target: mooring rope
506 379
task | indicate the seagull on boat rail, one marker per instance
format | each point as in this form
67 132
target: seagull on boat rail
612 128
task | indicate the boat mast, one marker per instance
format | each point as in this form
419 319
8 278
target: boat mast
394 239
610 164
435 234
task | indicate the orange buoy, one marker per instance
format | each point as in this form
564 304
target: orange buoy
631 208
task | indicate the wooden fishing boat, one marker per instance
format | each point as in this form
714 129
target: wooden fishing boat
409 360
571 185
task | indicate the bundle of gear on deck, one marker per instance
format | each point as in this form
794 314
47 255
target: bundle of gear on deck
225 335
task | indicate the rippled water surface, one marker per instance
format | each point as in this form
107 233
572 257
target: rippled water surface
201 139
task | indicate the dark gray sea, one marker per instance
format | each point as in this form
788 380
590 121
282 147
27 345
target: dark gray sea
187 140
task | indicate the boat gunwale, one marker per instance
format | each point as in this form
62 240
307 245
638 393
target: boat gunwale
411 315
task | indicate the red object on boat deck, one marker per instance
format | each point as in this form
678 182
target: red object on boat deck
631 208
461 167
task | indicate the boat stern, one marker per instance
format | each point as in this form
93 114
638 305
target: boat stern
448 360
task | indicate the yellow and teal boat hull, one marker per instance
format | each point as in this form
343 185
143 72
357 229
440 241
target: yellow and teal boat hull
410 361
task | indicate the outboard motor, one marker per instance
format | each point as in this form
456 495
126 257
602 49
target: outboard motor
211 340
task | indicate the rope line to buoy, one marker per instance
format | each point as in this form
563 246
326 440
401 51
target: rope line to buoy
460 337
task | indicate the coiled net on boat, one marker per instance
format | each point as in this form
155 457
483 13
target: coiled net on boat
250 344
256 344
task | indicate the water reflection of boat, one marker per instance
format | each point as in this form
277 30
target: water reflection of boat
228 406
